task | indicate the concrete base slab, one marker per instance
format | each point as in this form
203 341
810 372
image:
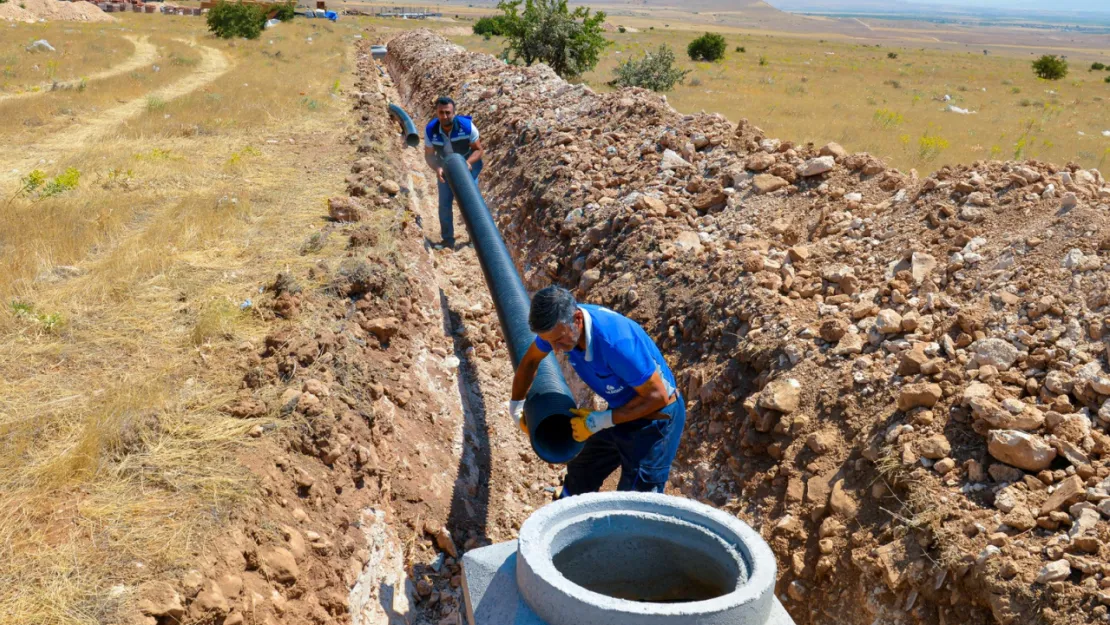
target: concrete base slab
489 587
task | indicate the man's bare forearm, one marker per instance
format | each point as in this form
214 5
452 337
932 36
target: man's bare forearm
433 161
475 156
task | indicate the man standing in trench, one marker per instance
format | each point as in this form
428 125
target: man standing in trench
450 134
614 356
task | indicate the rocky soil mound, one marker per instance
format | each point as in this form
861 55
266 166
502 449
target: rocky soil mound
902 382
53 10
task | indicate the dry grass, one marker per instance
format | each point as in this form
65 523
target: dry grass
821 91
79 52
27 119
122 315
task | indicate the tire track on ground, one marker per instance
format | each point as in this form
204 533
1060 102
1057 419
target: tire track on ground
213 65
145 53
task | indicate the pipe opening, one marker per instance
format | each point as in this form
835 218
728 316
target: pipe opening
553 440
647 558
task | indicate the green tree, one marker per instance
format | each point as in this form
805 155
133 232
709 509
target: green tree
1050 67
285 12
229 20
494 26
570 42
655 71
708 47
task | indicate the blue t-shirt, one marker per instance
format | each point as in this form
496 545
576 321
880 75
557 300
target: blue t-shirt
619 356
463 133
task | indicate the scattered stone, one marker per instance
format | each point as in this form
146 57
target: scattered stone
671 160
995 352
782 395
935 447
766 183
279 565
1020 449
919 395
1054 572
888 322
816 166
1065 493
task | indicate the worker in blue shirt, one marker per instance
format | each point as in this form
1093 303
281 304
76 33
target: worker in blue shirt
454 134
640 430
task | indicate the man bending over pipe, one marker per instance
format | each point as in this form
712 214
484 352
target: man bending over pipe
618 360
450 134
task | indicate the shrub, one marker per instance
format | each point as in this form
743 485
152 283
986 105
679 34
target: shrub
891 55
1097 67
1050 67
1107 79
762 60
490 26
285 12
622 29
886 118
228 20
708 47
741 49
655 71
570 42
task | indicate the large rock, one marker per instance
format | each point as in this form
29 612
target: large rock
759 161
1066 492
279 565
1020 449
782 395
816 166
1022 417
935 447
922 266
924 395
995 352
766 183
671 160
834 150
162 602
888 322
1054 572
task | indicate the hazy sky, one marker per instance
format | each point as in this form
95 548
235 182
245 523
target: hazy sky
1102 6
1047 5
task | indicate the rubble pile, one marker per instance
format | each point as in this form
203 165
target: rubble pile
903 382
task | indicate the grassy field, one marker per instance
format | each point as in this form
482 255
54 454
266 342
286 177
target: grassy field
126 274
808 89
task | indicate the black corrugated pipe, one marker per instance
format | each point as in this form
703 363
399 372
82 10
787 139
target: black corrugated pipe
547 409
407 127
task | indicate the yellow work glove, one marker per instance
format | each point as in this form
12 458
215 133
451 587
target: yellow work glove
516 411
585 424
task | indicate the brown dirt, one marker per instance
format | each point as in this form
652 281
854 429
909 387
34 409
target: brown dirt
873 481
385 449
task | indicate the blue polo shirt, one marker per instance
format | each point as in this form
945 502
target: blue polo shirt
463 134
619 356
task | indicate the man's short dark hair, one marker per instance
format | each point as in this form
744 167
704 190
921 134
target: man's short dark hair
444 101
550 307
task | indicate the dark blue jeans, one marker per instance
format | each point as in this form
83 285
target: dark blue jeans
644 451
446 206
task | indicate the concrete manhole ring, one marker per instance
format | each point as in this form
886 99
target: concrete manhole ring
642 558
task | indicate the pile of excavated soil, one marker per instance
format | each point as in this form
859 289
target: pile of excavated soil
11 12
377 400
903 383
53 10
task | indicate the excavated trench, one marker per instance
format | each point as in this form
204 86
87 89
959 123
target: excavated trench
843 383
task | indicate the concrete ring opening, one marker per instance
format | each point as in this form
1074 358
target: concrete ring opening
644 559
648 558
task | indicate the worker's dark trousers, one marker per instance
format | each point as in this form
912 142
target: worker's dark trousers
644 451
446 206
